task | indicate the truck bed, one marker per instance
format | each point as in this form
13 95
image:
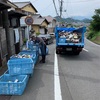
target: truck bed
69 39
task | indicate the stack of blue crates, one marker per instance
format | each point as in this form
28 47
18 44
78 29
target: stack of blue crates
14 80
33 48
33 54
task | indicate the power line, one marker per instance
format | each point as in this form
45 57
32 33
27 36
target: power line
55 7
66 9
61 7
46 7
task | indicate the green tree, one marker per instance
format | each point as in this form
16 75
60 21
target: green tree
95 24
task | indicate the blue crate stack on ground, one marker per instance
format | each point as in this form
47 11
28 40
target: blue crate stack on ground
14 80
20 66
13 85
33 47
33 53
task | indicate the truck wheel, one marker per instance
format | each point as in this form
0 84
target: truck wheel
57 52
77 53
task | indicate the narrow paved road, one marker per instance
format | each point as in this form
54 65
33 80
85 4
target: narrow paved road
79 77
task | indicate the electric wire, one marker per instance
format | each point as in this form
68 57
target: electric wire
46 7
55 7
66 9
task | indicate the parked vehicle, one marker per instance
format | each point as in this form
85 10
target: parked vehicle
47 38
69 39
52 35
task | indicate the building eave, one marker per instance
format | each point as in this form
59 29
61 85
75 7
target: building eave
4 6
14 13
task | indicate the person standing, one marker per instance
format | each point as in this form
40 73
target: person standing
42 46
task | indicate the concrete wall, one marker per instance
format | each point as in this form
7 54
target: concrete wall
3 47
12 42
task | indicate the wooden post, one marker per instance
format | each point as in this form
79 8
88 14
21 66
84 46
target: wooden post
6 26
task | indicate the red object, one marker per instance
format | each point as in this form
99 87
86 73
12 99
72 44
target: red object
29 20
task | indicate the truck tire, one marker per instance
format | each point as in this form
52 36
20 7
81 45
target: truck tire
57 52
76 53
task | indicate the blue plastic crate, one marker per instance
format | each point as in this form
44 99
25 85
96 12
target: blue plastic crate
7 72
29 51
20 66
62 40
33 46
33 54
15 57
13 85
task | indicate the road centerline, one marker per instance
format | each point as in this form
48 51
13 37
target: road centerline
57 88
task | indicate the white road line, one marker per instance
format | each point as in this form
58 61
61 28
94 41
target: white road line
57 88
85 50
92 42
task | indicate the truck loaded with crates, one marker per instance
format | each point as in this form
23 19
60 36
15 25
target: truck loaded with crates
69 39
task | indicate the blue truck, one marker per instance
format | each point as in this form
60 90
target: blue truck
69 39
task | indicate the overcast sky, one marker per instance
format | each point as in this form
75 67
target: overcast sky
70 7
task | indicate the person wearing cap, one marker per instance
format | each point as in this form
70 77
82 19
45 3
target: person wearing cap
42 45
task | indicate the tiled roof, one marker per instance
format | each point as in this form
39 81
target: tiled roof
35 16
49 18
38 21
21 4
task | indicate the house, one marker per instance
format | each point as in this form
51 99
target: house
15 32
40 25
26 6
3 31
30 10
52 23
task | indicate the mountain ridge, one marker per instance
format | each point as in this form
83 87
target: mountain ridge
73 19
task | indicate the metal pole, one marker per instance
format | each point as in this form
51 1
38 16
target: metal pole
61 4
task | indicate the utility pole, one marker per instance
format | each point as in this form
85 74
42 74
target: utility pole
61 7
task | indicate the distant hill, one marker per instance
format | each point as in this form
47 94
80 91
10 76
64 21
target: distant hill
80 17
71 20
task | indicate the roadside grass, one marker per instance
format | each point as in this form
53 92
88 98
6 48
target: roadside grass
96 38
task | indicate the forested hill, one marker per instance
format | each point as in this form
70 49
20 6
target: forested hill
70 20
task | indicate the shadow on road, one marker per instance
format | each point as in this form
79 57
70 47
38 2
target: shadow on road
83 56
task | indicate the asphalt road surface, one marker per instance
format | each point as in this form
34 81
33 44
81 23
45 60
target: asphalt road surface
65 77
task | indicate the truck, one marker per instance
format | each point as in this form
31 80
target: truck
69 39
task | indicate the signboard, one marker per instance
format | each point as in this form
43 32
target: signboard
29 20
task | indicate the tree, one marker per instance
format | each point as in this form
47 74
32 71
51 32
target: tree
95 24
